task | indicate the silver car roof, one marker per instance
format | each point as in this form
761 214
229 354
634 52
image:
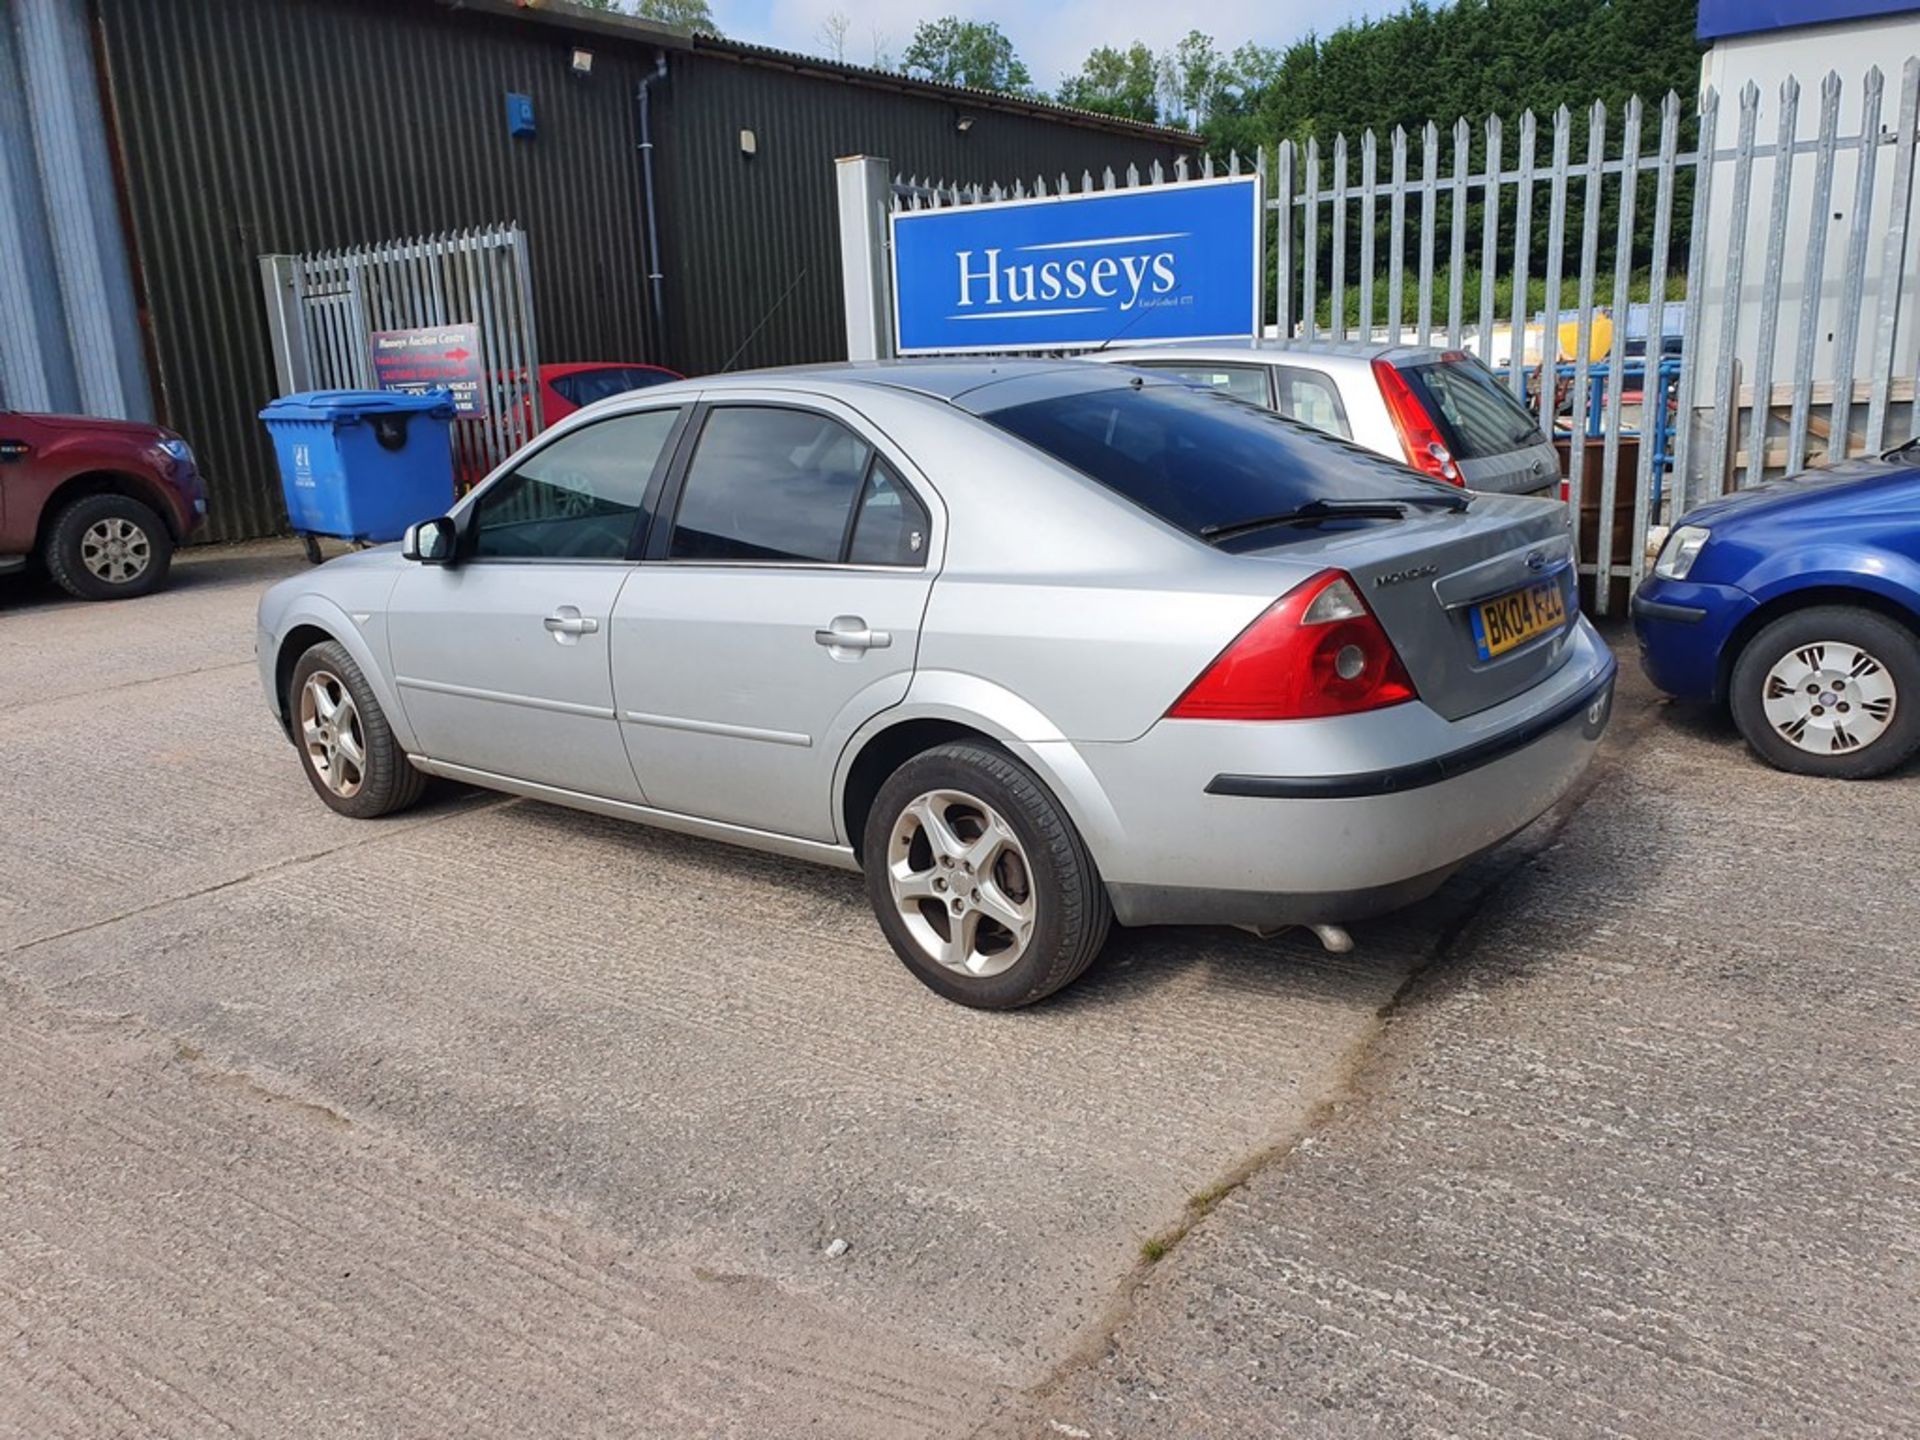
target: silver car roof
939 379
1358 352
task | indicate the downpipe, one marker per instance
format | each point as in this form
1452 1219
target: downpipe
656 282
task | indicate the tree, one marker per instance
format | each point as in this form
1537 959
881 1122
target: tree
1476 58
832 35
1192 76
692 14
1116 82
952 51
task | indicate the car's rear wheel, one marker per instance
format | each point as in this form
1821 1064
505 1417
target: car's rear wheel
108 547
346 747
1832 690
980 881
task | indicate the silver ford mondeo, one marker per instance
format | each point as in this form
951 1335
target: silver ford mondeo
1036 645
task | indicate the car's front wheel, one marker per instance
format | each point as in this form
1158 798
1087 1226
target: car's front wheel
980 881
1833 690
108 547
346 747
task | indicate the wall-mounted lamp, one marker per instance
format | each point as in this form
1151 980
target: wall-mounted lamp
749 144
583 62
963 124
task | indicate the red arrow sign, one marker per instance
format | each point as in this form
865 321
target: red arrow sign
458 354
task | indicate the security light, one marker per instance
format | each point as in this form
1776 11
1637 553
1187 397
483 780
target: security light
963 124
583 62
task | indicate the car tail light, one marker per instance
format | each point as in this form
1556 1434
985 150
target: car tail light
1419 436
1317 651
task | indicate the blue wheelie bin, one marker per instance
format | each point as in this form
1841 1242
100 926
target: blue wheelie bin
362 465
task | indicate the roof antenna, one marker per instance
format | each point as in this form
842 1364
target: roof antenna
772 310
1135 320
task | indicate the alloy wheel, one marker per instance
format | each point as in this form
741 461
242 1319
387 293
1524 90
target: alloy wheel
961 881
330 734
115 550
1829 697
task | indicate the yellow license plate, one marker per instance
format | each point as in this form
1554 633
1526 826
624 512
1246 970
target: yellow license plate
1513 619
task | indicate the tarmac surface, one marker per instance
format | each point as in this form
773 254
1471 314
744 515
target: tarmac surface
498 1119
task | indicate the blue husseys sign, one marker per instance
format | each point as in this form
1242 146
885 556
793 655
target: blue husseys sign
1165 262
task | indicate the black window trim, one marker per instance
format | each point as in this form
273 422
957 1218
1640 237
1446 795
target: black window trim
659 539
468 520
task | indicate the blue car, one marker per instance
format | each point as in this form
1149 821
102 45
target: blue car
1796 604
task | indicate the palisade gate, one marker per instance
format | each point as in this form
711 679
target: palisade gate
323 309
1690 298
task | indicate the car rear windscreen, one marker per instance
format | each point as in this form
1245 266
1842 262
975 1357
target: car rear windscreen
1477 414
584 387
1198 458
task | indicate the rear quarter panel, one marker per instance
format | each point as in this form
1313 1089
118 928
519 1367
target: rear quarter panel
1367 413
1055 590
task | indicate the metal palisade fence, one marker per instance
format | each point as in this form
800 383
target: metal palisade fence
1784 337
1784 263
913 193
323 307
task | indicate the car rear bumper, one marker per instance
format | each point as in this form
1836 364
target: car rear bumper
1391 804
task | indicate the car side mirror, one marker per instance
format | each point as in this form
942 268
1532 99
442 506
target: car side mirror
431 542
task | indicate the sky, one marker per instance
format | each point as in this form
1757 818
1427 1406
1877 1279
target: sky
1053 38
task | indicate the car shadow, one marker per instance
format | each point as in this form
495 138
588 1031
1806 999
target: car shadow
196 568
1712 725
1133 965
28 590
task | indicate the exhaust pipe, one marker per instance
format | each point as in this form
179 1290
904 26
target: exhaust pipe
1334 939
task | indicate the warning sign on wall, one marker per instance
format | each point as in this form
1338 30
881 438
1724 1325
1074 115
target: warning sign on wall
441 357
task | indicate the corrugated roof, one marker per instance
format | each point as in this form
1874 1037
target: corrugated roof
967 94
569 15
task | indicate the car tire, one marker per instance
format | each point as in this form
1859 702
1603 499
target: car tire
335 716
1832 690
961 836
108 547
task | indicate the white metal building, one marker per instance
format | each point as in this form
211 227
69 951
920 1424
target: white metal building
1765 44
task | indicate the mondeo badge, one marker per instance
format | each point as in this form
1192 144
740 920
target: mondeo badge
1395 577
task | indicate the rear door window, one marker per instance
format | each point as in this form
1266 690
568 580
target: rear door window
1477 414
1196 458
770 483
1310 398
1242 382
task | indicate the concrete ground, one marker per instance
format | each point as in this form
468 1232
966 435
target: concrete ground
501 1119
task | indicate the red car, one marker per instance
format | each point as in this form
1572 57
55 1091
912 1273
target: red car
563 390
101 503
567 388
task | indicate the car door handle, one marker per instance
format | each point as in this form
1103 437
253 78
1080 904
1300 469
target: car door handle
567 620
850 632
